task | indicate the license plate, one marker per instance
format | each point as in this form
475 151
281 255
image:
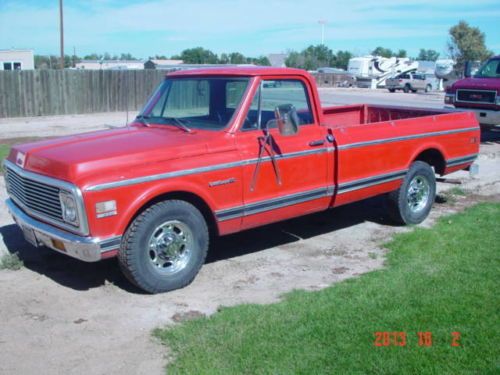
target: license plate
30 236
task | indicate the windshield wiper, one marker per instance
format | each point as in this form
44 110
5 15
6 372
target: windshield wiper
143 120
178 123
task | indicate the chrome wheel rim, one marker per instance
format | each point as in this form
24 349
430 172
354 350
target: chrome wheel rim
418 194
170 247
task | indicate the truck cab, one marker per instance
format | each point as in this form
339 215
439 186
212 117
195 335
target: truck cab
480 93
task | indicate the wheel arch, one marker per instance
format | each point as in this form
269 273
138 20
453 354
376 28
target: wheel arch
188 196
432 156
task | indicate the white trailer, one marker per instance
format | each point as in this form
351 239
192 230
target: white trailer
372 71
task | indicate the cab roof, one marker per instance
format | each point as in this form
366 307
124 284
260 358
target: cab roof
238 71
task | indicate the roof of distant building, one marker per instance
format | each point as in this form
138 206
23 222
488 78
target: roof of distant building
277 59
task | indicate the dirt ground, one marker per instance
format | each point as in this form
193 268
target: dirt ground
62 316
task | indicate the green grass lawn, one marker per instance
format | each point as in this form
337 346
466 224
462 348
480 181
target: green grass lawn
439 280
4 151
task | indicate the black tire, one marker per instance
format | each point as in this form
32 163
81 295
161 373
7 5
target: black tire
413 90
401 202
136 257
392 90
406 88
428 88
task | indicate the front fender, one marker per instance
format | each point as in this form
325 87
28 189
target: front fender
149 194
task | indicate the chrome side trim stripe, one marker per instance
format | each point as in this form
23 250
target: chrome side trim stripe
209 168
370 181
403 138
461 160
292 199
162 176
271 204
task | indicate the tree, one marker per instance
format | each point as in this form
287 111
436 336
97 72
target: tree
384 52
261 60
294 59
237 58
92 56
53 62
467 44
428 55
401 53
224 58
127 56
341 59
311 58
197 55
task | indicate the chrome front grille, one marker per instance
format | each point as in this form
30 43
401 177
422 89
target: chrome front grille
476 96
34 196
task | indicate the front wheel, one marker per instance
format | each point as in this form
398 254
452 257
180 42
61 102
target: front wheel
412 202
428 88
164 247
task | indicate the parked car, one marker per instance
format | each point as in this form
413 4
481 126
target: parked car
410 82
480 93
218 151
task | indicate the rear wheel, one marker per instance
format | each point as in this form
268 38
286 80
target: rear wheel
428 88
164 247
392 90
406 88
412 202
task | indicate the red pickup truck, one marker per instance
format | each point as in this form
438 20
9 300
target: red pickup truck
218 151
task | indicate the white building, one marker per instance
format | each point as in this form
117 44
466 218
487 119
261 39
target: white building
277 59
110 64
17 59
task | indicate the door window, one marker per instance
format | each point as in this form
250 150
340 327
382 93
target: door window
273 93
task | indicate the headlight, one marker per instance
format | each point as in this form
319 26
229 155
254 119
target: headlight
69 209
449 98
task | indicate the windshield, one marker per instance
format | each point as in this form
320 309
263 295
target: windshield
489 70
200 103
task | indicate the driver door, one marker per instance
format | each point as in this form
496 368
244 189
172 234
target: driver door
295 183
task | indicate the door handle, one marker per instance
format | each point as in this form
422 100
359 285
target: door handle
318 142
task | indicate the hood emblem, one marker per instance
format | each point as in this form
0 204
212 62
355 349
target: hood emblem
21 159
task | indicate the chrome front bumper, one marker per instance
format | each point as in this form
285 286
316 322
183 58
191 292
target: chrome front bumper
88 249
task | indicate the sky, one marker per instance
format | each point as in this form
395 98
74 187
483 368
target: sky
253 27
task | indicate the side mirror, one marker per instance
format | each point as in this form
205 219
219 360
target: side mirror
287 119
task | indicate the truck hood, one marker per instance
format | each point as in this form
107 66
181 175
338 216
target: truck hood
478 83
100 155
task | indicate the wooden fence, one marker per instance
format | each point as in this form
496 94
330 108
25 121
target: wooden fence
57 92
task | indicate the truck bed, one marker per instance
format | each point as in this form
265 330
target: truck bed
359 114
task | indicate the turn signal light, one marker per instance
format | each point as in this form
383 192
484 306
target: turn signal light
59 245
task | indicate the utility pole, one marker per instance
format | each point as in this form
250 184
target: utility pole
61 29
322 23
